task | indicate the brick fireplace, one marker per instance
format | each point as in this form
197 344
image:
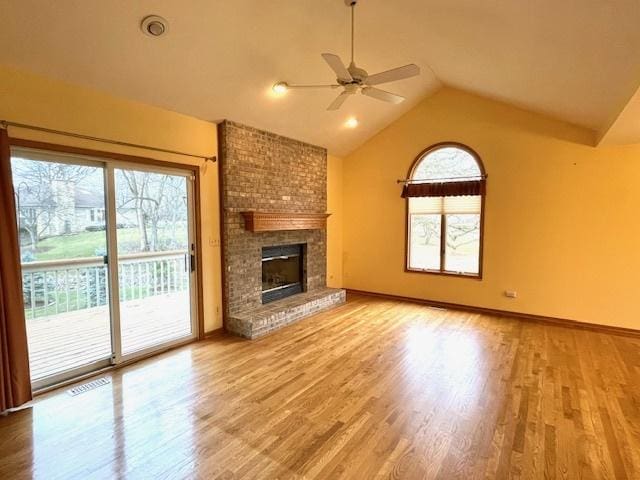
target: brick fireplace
267 173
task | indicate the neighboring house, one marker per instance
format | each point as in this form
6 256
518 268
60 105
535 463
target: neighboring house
65 209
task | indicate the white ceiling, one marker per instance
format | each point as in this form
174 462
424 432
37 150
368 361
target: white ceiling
576 60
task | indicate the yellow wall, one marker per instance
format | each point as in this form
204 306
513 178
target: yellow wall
334 224
561 225
27 98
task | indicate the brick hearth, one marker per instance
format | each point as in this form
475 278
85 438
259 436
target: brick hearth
259 321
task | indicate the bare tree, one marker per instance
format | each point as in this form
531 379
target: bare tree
460 233
428 227
137 184
447 163
155 198
174 213
36 196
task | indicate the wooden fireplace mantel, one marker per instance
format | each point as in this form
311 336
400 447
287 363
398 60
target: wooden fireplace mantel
275 221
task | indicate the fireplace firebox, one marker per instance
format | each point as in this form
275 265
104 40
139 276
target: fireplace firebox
282 271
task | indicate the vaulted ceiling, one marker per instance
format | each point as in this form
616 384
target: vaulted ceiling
576 60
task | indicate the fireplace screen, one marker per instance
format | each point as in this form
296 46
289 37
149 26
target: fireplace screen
282 272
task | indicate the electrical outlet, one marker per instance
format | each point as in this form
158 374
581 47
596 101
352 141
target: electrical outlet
511 294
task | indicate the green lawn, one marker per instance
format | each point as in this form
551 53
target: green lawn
91 244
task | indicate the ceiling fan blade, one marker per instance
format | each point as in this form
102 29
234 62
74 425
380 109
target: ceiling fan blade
337 66
382 95
392 75
337 103
292 87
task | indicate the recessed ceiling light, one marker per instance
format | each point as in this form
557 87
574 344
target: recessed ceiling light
154 26
280 88
351 122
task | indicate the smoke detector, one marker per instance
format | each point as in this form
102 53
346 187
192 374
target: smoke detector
154 26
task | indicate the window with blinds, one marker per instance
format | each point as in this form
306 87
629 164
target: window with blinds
446 205
444 231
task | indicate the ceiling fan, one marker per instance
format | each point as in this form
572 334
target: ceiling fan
353 79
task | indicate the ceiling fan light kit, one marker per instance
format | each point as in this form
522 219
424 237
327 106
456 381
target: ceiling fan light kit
353 79
280 88
351 122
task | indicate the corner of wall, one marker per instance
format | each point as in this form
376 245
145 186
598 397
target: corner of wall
335 222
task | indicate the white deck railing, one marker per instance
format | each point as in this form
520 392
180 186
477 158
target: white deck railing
58 286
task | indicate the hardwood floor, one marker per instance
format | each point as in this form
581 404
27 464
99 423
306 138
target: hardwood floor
373 389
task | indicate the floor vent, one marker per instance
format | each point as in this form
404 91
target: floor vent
85 387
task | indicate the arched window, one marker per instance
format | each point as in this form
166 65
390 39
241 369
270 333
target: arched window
445 198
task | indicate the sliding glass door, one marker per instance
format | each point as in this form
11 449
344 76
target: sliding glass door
107 261
61 206
154 258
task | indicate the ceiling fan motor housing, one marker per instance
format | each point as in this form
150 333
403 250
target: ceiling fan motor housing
359 75
350 3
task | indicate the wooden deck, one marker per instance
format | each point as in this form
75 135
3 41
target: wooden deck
61 342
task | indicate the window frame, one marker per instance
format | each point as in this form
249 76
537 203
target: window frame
443 218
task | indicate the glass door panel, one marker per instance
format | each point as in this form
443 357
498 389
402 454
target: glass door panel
61 213
154 258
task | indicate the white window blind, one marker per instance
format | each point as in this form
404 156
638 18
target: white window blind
445 205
